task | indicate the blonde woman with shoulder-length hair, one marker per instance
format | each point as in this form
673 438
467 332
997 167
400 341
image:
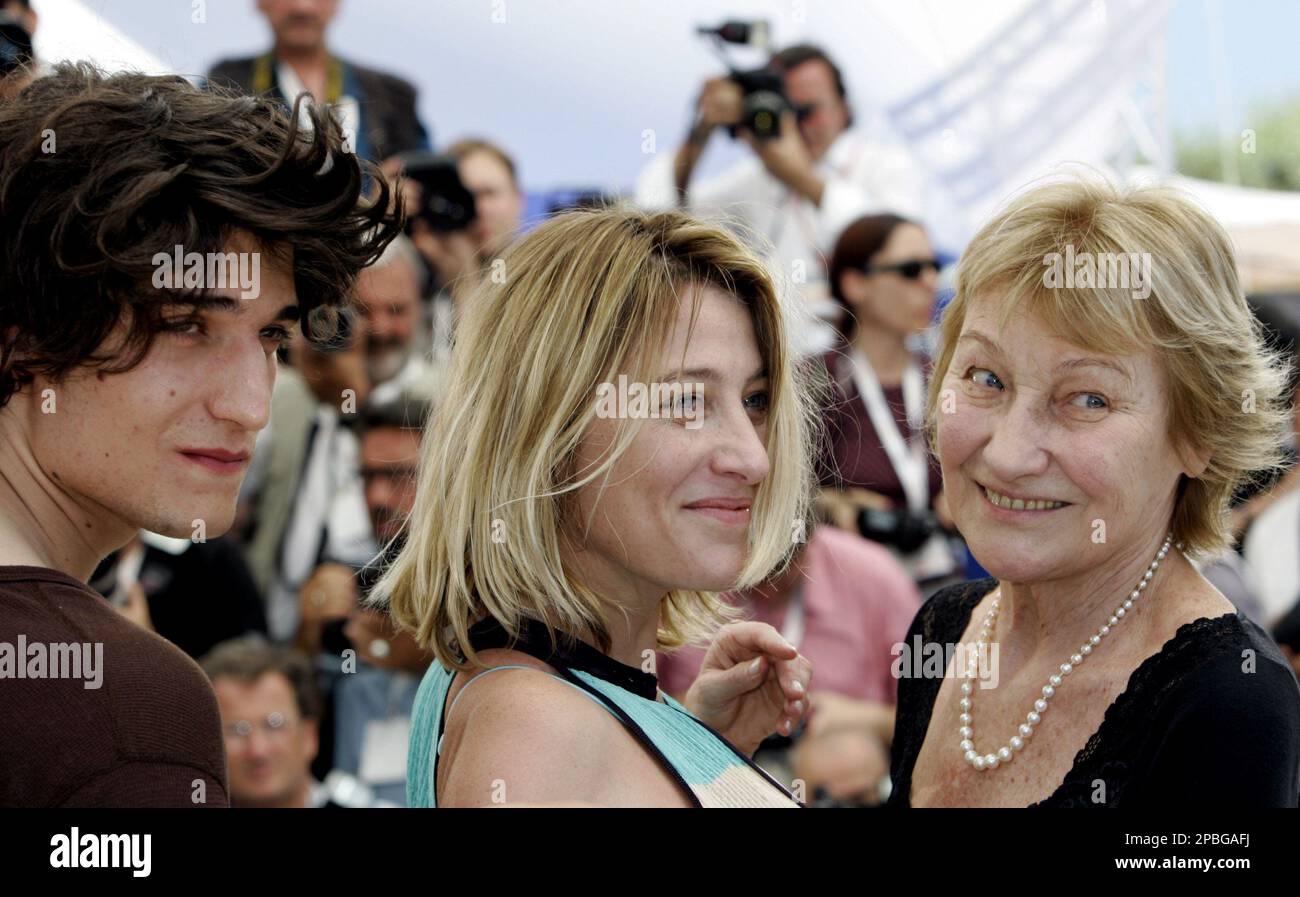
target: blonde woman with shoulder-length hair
624 436
1101 390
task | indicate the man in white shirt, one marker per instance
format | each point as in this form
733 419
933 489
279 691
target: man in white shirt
800 188
326 527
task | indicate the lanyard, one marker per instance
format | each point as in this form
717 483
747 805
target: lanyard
792 628
262 74
908 460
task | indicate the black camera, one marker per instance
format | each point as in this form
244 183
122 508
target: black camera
446 204
763 88
15 45
765 101
903 529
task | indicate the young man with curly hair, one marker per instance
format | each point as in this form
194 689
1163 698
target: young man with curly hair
131 393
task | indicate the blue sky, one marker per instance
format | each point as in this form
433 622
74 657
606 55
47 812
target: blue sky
1260 50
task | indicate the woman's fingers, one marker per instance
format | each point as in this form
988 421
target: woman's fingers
738 642
789 711
795 676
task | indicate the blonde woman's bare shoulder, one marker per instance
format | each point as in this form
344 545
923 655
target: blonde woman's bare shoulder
524 736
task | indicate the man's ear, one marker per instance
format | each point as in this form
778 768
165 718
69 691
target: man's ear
1193 458
311 739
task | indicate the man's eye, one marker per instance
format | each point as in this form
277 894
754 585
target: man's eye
185 326
279 334
984 377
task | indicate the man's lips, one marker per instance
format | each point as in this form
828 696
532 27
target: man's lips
733 511
217 460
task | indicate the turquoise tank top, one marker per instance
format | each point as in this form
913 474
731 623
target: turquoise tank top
713 772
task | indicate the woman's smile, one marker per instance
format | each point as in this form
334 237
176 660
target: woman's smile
1006 507
733 512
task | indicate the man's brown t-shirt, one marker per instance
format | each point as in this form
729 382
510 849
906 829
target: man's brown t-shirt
146 736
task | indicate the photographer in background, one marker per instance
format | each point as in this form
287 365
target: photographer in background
880 479
805 181
489 176
463 208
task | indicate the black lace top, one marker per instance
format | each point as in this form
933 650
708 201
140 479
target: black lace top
1213 718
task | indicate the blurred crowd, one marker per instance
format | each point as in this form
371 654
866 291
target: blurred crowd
315 689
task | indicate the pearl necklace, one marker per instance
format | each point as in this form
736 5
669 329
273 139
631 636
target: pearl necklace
1017 742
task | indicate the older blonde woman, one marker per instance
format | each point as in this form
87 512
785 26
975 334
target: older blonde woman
566 527
1100 391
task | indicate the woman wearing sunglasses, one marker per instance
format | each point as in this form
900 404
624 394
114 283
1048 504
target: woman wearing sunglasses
879 480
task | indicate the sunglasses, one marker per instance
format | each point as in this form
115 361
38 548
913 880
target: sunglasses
910 269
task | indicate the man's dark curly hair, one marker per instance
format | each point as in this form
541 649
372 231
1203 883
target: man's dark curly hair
100 172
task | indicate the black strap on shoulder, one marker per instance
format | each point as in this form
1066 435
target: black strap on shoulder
637 732
535 642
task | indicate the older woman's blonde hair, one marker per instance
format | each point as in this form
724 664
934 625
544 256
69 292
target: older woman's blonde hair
1226 390
586 296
